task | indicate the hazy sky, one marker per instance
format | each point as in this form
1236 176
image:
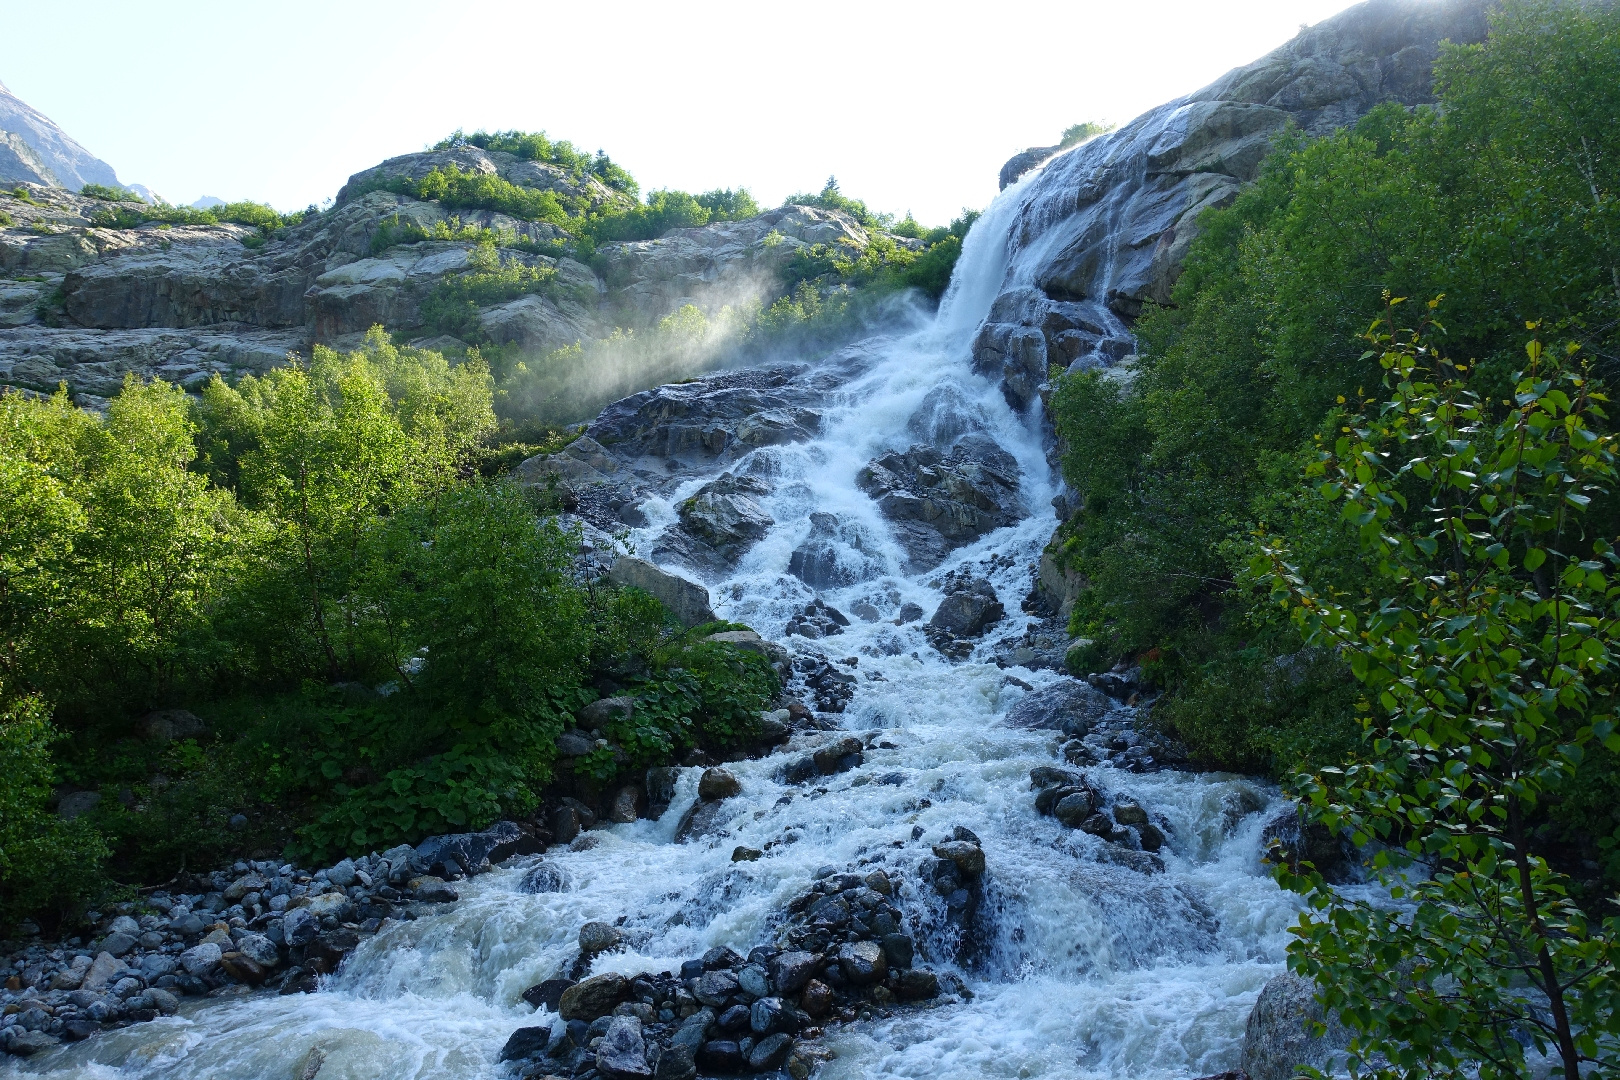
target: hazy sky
914 106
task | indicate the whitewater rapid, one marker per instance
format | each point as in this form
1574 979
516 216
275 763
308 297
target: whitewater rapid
1090 969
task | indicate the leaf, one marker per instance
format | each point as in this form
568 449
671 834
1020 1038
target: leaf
1534 558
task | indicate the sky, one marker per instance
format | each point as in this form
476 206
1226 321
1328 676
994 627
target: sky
912 106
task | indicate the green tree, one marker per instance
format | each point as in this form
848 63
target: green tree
1488 659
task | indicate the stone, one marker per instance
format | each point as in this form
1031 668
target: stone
124 925
1129 813
937 502
623 1051
342 875
1068 705
734 1019
686 600
916 985
626 807
967 855
473 851
300 927
770 1052
260 949
27 1043
720 1055
170 725
604 711
1149 836
863 962
817 999
249 883
163 1001
241 969
599 937
749 641
118 944
741 853
839 756
717 784
791 971
437 892
101 972
715 987
592 997
1276 1041
725 515
200 960
525 1042
1073 809
661 783
677 1062
752 981
969 611
547 994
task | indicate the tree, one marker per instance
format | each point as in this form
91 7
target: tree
1490 667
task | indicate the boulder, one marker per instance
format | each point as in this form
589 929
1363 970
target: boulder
718 783
1069 705
1276 1040
791 971
299 927
547 994
525 1042
472 851
969 608
623 1051
200 960
937 502
102 972
168 725
967 855
725 515
603 711
593 997
770 1052
686 600
863 962
750 642
626 807
598 937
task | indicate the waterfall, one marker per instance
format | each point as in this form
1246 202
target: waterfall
1088 965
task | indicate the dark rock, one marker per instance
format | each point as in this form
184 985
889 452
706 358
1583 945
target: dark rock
745 854
817 999
817 620
599 937
725 515
118 944
1149 836
525 1042
677 1062
970 608
593 997
1045 776
241 969
661 787
686 600
715 987
790 971
79 1029
1074 809
916 985
603 711
626 806
863 962
899 949
938 502
704 819
169 725
839 756
437 892
909 613
968 856
544 878
1068 705
1277 1039
472 851
1292 839
574 743
734 1019
547 994
721 1055
766 1015
770 1052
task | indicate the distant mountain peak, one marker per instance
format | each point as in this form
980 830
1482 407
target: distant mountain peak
64 161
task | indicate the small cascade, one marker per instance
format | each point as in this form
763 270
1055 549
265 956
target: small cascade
1084 957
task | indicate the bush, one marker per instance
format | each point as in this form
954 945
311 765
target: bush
109 194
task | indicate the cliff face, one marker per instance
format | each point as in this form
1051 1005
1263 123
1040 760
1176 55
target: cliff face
64 161
1105 228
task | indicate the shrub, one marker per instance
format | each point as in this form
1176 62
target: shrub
109 194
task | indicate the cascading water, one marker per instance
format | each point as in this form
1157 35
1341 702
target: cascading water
1089 966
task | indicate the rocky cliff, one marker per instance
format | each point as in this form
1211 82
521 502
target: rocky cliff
1104 228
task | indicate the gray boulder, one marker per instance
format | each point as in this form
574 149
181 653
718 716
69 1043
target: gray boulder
598 937
686 600
623 1051
1068 705
200 960
937 502
725 515
969 609
1275 1040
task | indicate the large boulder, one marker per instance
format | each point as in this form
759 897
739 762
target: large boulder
936 502
1276 1040
969 609
592 997
1068 705
686 599
725 515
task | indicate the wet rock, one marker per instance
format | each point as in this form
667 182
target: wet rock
242 969
817 999
704 819
899 949
718 784
909 613
752 981
547 994
863 962
1129 813
745 854
201 960
817 620
970 607
1097 824
1276 1040
1292 839
25 1043
967 855
916 985
721 1055
686 600
623 1051
722 958
715 987
938 502
1074 808
734 1020
661 783
770 1052
725 515
300 927
1068 705
599 937
839 756
1149 836
626 808
593 997
525 1042
791 971
437 892
677 1062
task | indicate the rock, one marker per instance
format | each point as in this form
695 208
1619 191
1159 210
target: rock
626 806
342 875
437 892
916 985
623 1052
300 927
969 609
1275 1041
817 999
839 756
599 937
101 972
544 878
77 803
899 948
725 515
766 1015
241 969
718 784
745 854
249 883
473 851
604 711
525 1042
661 783
1149 836
200 960
704 819
27 1043
118 944
170 725
547 994
1097 824
909 613
1291 838
770 1052
686 600
720 1055
749 641
1129 813
791 971
863 962
937 502
818 620
968 856
592 997
260 949
575 743
715 987
677 1062
1068 705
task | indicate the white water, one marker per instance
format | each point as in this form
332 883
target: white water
1092 969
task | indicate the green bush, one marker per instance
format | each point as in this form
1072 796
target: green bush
452 307
535 146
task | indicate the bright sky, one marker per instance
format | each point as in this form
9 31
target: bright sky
912 105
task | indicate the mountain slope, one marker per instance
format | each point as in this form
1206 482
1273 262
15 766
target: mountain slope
71 164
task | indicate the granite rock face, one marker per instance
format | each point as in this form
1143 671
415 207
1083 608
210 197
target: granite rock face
1106 226
53 152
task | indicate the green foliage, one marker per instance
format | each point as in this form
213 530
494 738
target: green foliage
667 210
130 215
109 194
534 146
48 867
1502 200
6 220
1487 656
1075 134
452 307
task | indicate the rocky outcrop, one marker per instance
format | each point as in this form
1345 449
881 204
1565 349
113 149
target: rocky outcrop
1276 1041
19 164
937 502
1105 227
536 175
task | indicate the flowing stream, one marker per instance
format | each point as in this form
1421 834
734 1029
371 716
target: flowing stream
1088 968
